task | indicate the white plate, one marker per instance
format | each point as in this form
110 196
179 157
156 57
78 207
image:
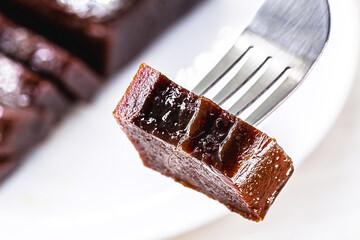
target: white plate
87 181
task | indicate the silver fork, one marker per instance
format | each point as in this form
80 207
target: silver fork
275 53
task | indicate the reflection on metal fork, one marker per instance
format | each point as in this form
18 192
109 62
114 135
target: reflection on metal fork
281 44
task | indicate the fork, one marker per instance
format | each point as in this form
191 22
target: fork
270 59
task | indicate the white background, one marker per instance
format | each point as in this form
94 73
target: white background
87 182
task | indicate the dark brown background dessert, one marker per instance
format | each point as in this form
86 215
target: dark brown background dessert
105 37
29 107
68 72
61 51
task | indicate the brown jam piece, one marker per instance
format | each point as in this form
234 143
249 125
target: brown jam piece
202 146
207 132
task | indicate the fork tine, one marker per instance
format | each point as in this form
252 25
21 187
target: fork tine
268 78
231 58
292 32
251 67
277 97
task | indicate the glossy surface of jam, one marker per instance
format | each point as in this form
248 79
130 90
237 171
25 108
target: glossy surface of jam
207 131
167 111
242 144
